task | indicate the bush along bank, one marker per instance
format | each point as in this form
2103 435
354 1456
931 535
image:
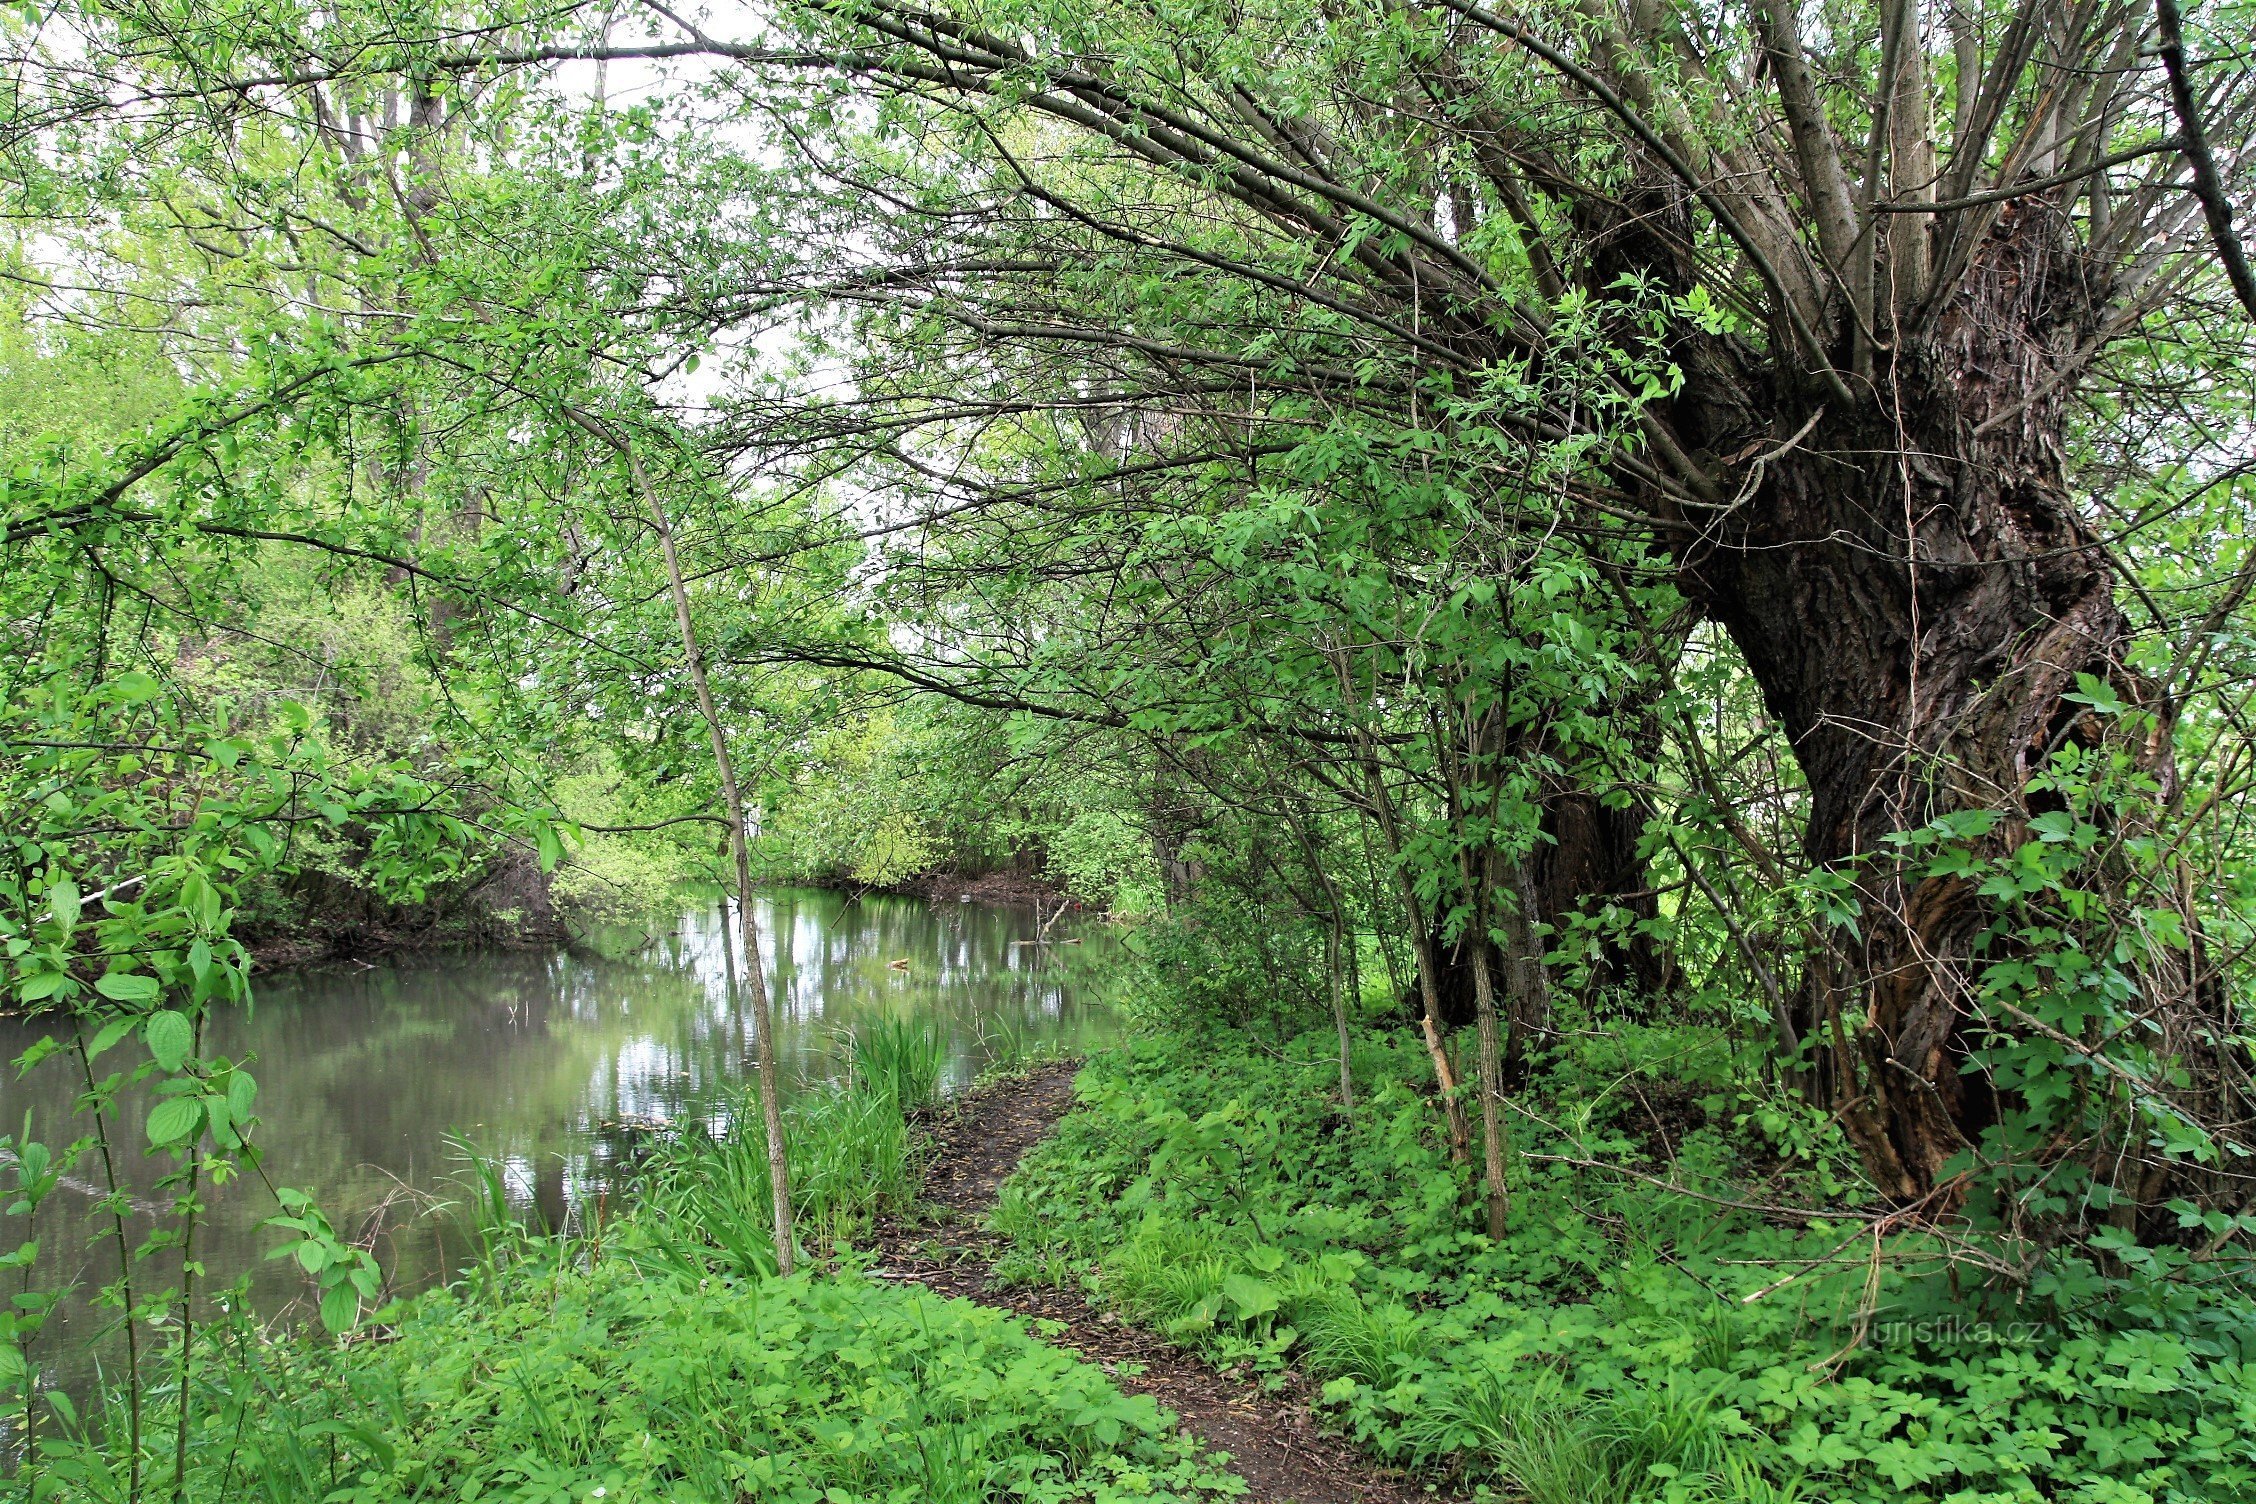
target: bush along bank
1658 1323
653 1357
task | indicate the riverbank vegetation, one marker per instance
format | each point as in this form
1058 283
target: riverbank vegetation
1669 579
651 1354
1686 1305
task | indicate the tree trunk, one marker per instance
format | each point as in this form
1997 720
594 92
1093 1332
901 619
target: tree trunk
1527 980
1445 1079
1590 861
1917 597
732 798
1334 965
1499 1195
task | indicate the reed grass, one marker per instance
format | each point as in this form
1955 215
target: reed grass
901 1059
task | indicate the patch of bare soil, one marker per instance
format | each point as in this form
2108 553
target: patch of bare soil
986 887
1273 1441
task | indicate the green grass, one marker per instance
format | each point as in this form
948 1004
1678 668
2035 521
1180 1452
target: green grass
901 1059
851 1159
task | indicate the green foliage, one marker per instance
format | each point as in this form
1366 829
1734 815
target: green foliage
1621 1342
852 809
901 1060
1226 961
1104 857
1294 575
631 877
875 797
632 1379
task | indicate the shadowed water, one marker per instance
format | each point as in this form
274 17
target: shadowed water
550 1061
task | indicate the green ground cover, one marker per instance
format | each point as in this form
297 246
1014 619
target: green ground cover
655 1358
1618 1344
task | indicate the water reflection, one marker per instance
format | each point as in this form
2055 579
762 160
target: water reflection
548 1061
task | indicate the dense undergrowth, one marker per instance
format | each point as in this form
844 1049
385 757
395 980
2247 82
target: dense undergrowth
1618 1344
656 1357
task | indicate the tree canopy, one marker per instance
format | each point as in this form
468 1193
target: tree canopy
1657 508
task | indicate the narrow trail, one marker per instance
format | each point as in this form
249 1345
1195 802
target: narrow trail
1272 1440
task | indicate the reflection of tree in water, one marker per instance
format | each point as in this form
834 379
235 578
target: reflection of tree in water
554 1063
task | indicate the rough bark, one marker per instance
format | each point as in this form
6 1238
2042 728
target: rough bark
1917 596
1589 861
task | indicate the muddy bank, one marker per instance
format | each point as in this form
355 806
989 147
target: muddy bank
1031 889
315 916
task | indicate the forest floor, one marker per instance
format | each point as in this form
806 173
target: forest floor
1272 1439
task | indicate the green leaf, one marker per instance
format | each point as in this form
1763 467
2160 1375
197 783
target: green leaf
169 1037
40 986
340 1307
128 987
201 899
175 1121
63 901
107 1036
1250 1296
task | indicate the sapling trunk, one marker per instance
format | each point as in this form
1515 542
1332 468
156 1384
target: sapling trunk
1460 1132
748 933
1339 1020
1421 946
125 1274
1336 949
1492 1094
188 1293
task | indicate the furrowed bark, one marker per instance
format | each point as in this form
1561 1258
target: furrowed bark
1921 603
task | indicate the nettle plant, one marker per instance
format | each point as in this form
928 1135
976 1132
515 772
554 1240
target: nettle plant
137 819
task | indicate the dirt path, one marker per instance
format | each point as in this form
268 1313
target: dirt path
1273 1442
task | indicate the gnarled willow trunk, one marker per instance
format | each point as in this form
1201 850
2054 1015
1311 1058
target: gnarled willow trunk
1928 617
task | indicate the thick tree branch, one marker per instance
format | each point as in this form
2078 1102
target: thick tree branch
2207 186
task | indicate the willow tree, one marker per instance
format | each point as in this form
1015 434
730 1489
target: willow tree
1871 258
1807 304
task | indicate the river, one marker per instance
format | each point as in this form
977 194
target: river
550 1061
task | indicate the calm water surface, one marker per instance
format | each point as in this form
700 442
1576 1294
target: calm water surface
547 1060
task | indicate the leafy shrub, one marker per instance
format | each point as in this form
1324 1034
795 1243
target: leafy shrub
1222 961
1104 857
